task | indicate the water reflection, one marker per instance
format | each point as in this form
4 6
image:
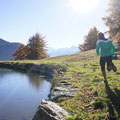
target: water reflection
21 94
35 80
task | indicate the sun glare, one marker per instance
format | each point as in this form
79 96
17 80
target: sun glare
84 6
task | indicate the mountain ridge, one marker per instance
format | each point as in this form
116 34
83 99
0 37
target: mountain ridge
62 51
7 49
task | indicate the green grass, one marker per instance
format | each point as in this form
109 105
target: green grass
95 100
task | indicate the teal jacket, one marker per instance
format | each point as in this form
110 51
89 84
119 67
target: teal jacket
106 48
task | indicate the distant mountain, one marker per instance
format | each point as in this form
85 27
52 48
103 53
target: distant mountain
7 49
62 51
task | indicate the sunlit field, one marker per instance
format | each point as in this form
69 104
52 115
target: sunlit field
94 99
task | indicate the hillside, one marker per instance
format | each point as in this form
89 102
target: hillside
94 100
7 49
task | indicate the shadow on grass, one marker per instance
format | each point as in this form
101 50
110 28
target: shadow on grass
114 103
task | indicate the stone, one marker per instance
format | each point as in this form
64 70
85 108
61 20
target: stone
60 89
75 89
92 102
50 111
55 95
64 83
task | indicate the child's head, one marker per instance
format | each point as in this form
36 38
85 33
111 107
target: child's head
101 36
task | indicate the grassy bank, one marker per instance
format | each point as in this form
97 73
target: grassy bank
95 100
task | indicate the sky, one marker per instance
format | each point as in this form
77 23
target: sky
64 23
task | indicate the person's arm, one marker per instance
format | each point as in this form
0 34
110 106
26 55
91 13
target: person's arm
112 48
97 48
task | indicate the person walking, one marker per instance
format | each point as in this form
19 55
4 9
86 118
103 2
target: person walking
105 48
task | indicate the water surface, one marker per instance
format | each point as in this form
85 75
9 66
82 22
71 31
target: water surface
21 94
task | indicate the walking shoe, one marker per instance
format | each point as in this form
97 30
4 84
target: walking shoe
114 68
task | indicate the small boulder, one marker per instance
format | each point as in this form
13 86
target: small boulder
64 83
60 89
55 95
50 111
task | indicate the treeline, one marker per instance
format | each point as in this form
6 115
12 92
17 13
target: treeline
34 50
112 21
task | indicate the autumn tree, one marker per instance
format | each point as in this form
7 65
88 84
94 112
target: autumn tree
20 53
36 48
113 20
90 40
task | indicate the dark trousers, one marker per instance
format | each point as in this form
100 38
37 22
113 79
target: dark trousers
108 60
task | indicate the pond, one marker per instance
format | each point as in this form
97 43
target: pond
21 94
